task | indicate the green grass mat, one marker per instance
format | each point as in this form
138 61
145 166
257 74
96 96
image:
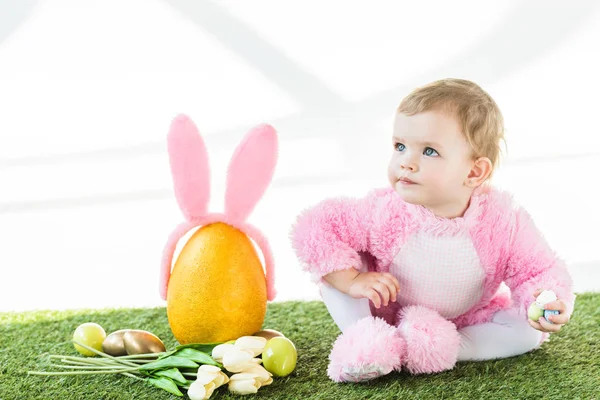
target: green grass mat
567 367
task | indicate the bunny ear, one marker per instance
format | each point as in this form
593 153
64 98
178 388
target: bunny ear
189 167
250 171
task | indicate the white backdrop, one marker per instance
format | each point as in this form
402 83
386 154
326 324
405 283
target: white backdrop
88 89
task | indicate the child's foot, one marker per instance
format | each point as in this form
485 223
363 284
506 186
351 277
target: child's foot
362 373
367 350
432 342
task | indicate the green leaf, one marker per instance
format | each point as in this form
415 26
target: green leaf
197 356
172 373
169 362
167 354
166 384
203 347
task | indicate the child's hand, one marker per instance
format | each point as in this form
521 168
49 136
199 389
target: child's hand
376 286
557 320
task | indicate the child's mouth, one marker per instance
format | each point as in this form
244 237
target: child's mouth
406 181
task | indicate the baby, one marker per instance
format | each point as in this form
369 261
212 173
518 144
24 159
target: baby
412 274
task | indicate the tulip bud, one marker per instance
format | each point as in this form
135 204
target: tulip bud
220 350
254 343
261 374
236 359
208 379
197 391
210 371
244 383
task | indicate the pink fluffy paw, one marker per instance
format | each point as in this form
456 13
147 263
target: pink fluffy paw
432 342
367 350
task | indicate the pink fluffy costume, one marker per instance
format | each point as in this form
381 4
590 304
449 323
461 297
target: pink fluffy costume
450 273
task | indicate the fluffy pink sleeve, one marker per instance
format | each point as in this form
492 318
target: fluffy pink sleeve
329 236
532 265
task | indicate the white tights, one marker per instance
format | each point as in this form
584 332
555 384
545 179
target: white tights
506 335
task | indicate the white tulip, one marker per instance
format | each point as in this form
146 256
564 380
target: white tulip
261 374
244 383
208 379
220 350
210 373
254 343
237 359
197 391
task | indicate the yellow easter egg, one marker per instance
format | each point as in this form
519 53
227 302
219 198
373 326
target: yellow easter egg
217 290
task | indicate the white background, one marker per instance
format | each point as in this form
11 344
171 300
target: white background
88 90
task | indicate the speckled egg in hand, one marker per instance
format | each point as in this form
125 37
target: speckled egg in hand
548 313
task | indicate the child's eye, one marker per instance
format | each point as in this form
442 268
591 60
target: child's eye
430 152
399 147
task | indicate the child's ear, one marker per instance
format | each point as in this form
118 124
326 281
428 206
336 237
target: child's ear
480 171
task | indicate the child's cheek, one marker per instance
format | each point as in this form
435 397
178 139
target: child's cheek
436 179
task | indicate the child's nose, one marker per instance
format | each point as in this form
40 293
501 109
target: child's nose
408 163
407 166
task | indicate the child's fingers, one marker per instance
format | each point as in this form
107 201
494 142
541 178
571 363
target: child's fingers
537 325
372 295
558 305
537 292
390 286
560 319
561 307
548 327
393 279
383 291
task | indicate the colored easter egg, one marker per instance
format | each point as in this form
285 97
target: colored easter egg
535 313
89 334
548 313
279 356
217 290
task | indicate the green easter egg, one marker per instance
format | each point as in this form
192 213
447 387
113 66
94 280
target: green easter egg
279 356
535 312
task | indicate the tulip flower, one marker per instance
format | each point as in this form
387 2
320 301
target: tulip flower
237 359
220 350
263 376
250 380
244 383
208 379
254 343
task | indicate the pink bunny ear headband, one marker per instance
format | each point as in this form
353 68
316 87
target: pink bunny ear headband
250 172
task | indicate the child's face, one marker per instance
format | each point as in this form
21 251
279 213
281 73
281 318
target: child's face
431 160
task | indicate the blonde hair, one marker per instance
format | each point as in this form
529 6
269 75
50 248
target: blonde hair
478 114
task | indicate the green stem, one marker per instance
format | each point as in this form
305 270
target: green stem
83 361
145 355
71 362
86 367
114 371
133 376
133 357
96 362
142 361
106 355
189 374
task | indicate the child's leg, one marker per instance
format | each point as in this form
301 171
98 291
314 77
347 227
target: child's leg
345 310
368 347
507 335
